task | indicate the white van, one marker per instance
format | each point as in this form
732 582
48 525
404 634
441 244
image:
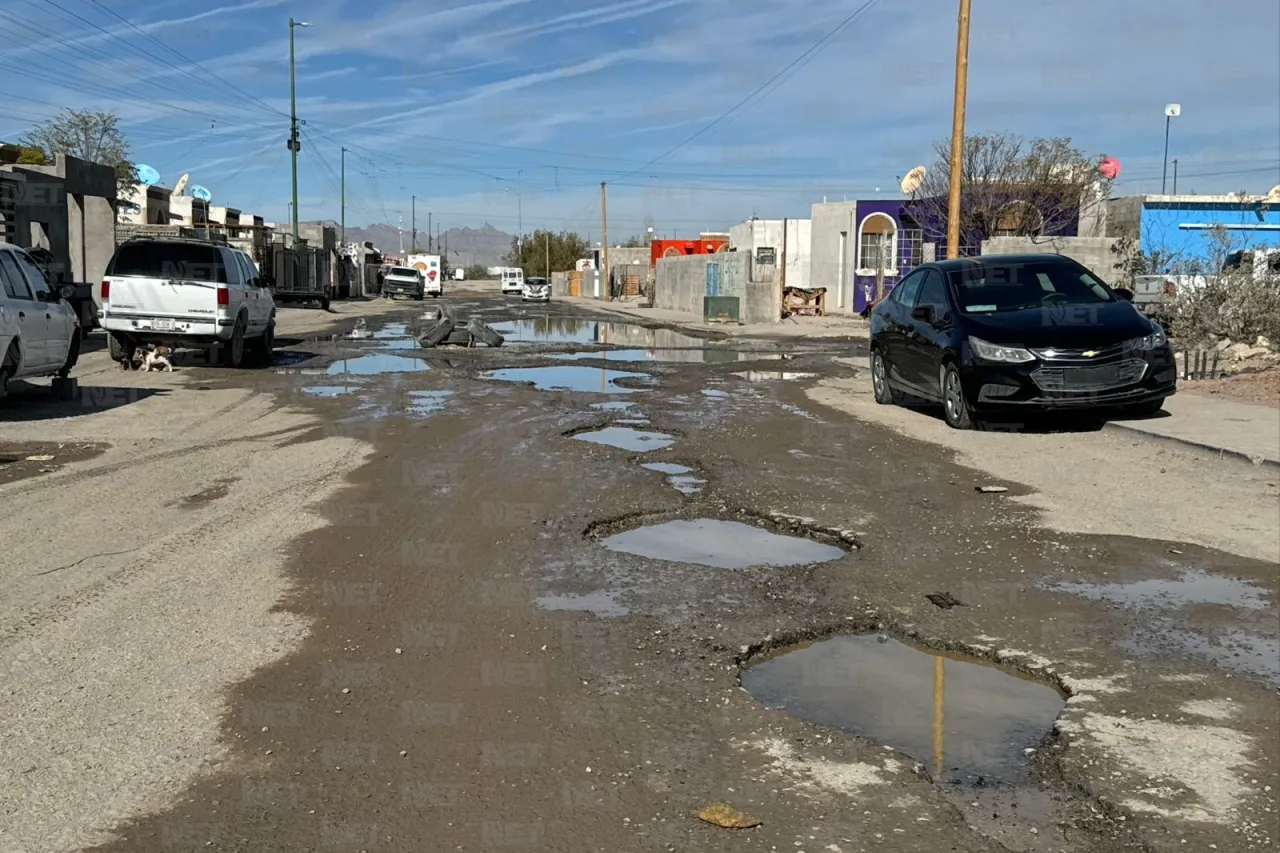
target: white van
512 280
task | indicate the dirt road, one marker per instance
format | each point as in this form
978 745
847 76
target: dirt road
378 598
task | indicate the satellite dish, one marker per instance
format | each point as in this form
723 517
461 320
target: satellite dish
912 181
147 175
181 185
1172 110
1273 197
1109 168
201 193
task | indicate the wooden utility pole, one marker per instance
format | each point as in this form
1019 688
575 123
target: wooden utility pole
957 131
604 229
547 241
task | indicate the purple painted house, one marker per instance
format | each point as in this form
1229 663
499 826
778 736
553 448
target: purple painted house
889 245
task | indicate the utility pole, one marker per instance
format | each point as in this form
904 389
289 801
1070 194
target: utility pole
957 131
604 229
547 238
428 231
294 145
344 197
520 206
413 224
1171 111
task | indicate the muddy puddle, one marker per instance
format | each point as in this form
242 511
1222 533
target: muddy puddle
627 438
568 330
679 477
772 375
375 364
613 406
329 390
1191 587
588 379
720 544
424 403
967 723
684 356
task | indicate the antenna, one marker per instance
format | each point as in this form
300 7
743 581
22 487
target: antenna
912 181
182 184
147 175
201 193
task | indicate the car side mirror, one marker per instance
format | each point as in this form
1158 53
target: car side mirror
66 291
1124 293
923 313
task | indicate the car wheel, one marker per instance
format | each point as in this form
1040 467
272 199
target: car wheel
324 302
263 346
955 407
233 350
886 394
73 355
121 349
7 368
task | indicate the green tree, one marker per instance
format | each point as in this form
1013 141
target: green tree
542 248
91 135
476 272
634 242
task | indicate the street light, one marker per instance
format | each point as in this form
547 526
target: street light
1171 111
294 144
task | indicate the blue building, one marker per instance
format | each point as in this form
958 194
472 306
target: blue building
1178 229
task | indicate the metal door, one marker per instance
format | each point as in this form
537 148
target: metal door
713 279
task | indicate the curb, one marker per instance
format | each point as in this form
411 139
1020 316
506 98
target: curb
1206 449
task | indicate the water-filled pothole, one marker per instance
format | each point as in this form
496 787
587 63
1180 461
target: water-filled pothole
627 438
425 403
967 722
376 363
328 390
590 379
568 330
720 544
682 356
679 477
1193 586
772 375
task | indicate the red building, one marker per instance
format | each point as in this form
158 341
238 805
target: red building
675 248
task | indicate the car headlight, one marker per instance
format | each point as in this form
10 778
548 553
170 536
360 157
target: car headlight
998 352
1156 339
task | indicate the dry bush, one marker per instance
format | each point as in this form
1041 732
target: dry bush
1237 306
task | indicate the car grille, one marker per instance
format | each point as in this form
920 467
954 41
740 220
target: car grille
1101 377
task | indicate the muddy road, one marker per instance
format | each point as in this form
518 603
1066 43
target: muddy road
563 594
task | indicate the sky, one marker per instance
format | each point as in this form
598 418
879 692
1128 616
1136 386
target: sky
696 113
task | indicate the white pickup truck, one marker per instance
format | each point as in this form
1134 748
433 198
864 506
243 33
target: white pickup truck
186 293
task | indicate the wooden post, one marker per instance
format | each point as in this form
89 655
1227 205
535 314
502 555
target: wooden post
548 243
604 228
957 131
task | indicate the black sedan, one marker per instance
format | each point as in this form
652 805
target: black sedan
1002 335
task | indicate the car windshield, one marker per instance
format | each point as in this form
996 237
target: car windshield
535 282
404 271
989 287
189 261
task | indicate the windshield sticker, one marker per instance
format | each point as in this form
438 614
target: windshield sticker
979 309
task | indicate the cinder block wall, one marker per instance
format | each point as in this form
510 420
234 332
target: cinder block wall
1094 252
681 285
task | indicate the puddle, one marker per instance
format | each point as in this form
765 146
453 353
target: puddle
567 330
593 379
330 390
428 402
634 421
720 544
968 723
688 356
1232 649
601 603
371 365
627 438
679 477
712 392
1192 587
407 343
613 406
392 330
772 375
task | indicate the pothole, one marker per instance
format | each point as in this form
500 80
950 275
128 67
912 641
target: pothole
627 438
679 477
772 375
679 356
568 330
425 403
586 379
720 544
1192 586
613 406
968 722
376 363
328 390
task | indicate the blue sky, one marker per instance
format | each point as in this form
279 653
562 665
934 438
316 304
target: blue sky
504 110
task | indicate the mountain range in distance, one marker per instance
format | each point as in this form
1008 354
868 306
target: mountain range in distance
484 246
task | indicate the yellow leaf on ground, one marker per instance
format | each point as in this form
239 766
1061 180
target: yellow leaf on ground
722 814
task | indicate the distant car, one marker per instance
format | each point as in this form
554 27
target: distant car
512 280
403 281
39 332
1006 334
536 290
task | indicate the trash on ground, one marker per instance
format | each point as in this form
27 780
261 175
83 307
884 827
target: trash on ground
723 814
991 490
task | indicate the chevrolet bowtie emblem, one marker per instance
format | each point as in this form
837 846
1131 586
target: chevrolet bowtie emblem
1089 353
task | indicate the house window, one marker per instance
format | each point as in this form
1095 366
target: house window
1018 219
877 245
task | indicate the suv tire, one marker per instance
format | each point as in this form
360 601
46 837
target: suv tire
121 349
232 354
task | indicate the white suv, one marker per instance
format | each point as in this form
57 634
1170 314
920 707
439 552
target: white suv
39 331
184 292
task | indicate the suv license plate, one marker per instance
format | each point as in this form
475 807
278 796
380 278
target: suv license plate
164 325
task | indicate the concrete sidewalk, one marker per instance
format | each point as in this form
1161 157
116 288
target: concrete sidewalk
1225 427
831 326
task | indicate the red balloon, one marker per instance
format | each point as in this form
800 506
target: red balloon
1109 168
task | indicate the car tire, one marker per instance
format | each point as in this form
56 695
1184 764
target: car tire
324 302
484 333
263 346
232 354
437 333
73 356
955 408
885 394
459 337
121 349
8 367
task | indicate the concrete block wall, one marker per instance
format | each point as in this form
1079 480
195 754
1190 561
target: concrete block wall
833 233
1094 252
681 285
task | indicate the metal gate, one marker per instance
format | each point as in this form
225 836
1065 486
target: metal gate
713 279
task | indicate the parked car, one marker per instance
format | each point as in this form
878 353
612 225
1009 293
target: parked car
512 280
1007 334
185 292
536 290
403 281
39 332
